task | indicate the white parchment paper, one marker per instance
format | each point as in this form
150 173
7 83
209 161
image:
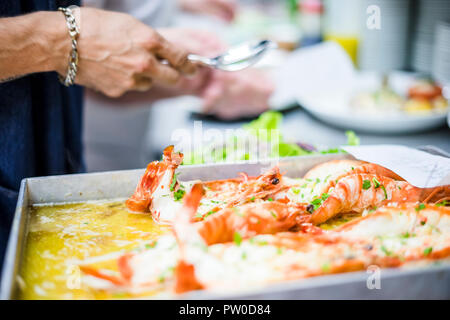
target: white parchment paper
419 168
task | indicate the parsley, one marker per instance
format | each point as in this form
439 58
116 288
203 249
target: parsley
386 251
366 184
443 203
179 194
427 251
273 214
270 199
237 238
209 213
421 206
252 199
325 267
317 202
151 245
295 191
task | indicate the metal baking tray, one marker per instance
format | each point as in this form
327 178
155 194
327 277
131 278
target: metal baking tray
432 282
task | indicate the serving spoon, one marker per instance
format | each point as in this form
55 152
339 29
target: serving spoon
238 57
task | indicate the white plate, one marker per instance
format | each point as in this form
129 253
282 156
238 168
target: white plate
334 108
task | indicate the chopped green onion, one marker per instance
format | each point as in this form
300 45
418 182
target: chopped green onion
237 238
366 184
376 183
442 203
386 251
179 194
385 193
421 206
174 182
325 196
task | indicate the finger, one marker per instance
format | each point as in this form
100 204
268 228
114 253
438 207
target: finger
143 83
164 74
176 56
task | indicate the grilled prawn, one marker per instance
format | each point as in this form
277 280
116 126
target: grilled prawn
357 192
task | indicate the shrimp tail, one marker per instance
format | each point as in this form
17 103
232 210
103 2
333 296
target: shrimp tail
185 279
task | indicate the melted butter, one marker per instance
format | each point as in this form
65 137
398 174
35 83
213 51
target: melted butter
339 220
61 234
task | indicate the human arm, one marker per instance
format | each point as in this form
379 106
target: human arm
117 53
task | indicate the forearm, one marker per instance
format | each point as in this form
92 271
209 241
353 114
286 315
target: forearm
36 42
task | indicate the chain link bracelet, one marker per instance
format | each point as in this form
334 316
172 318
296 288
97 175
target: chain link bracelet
74 32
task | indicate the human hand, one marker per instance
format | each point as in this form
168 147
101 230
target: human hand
199 42
222 9
231 95
224 94
118 53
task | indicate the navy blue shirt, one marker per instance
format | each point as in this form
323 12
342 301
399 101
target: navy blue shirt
40 125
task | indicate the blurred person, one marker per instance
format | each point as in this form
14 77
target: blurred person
115 137
222 9
41 118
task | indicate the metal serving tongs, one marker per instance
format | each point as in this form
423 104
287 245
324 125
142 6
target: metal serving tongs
238 57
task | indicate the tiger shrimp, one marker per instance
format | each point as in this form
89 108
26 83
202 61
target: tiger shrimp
251 219
258 188
222 194
357 192
155 191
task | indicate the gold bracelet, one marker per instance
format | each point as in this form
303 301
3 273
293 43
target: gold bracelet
74 32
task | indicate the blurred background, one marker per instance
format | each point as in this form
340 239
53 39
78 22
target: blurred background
380 68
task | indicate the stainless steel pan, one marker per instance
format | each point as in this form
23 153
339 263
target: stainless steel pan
425 283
